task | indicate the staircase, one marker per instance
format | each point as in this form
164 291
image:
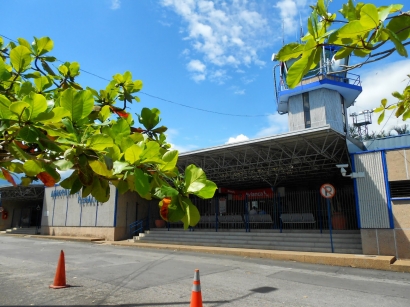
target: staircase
345 242
26 231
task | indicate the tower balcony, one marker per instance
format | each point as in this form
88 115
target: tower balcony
346 84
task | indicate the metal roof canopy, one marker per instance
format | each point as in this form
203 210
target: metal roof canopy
305 157
31 192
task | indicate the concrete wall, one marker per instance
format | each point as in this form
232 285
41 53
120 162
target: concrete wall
296 117
325 109
398 164
106 233
63 210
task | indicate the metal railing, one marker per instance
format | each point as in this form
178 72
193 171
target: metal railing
138 226
303 210
321 73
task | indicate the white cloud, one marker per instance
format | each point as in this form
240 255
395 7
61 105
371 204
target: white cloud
115 4
171 134
225 34
196 65
198 77
238 138
379 83
288 11
276 124
239 92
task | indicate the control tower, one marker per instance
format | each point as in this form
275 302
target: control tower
323 95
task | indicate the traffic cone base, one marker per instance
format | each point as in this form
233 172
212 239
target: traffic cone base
59 279
196 297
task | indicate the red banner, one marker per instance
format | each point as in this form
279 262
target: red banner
251 194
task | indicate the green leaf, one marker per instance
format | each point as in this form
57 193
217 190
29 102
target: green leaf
151 153
37 103
343 52
54 116
100 142
79 103
192 213
384 12
301 66
68 182
149 118
384 101
74 69
369 16
195 179
29 134
207 191
20 108
18 153
142 185
119 166
32 167
352 29
100 168
381 117
104 113
42 83
100 190
165 191
4 71
170 158
348 11
406 115
321 8
5 113
20 58
132 154
171 211
290 51
42 45
23 42
398 95
396 41
63 165
379 109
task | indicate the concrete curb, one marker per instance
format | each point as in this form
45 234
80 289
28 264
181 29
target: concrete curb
386 263
64 238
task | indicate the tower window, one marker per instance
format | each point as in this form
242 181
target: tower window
306 109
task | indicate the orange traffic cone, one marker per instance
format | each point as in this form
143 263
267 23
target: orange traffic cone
59 279
196 297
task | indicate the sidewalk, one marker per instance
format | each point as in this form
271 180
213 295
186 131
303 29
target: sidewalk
386 263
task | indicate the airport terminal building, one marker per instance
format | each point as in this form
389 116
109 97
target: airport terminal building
313 188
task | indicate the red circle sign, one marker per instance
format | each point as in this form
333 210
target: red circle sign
327 190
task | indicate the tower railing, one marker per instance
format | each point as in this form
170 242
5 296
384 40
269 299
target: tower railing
323 72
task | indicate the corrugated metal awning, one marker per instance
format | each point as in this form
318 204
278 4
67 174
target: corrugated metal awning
288 159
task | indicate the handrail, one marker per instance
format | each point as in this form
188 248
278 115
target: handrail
139 225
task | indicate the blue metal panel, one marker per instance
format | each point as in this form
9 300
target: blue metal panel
66 212
96 213
52 219
115 207
386 180
380 149
356 198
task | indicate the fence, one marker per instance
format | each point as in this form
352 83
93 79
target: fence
302 210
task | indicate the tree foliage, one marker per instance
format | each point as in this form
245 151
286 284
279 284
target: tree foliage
51 123
364 30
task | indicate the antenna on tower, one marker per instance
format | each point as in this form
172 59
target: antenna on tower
361 120
283 33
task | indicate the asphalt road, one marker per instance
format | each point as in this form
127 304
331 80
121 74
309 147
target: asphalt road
104 275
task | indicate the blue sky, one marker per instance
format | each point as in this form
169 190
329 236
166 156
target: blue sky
212 55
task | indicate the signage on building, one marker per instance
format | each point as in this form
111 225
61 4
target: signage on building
89 200
327 190
250 194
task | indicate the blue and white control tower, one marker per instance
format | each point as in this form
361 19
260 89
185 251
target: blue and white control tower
323 95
